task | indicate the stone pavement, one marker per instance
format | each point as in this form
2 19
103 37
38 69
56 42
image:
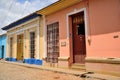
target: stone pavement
66 71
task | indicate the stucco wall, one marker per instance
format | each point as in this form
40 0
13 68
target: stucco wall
61 17
42 37
3 43
103 26
25 29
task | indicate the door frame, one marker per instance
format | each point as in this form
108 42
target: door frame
70 35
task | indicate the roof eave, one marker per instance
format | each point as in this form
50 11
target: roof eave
19 21
59 5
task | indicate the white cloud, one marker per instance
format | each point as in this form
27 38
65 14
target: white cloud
19 9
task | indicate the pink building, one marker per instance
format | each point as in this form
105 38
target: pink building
84 33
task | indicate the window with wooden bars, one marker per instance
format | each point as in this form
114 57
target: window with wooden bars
11 46
53 42
32 44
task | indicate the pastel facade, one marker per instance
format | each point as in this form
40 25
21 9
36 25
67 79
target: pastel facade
82 33
23 39
88 33
3 46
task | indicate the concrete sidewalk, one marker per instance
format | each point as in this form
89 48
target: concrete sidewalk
66 71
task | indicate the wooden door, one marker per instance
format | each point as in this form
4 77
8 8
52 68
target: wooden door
79 49
20 47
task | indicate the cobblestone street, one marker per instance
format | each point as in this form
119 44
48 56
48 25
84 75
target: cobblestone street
15 72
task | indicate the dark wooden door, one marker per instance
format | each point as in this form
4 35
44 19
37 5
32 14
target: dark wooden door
79 48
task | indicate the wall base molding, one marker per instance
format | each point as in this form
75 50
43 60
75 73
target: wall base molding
103 60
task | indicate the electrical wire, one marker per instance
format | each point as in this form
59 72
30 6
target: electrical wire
4 18
22 13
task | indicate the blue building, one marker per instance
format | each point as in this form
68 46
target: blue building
2 45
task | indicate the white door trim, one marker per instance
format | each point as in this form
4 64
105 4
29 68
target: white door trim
85 18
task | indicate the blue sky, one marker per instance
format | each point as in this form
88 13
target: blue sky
23 1
12 10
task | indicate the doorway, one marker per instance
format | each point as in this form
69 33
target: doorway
2 52
78 32
20 47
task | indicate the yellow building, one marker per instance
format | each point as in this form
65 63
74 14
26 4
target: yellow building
23 40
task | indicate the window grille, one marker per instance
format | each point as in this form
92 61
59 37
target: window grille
53 42
32 44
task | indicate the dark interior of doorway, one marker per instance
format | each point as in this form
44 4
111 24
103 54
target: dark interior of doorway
2 51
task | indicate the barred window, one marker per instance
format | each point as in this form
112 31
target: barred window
32 44
52 41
